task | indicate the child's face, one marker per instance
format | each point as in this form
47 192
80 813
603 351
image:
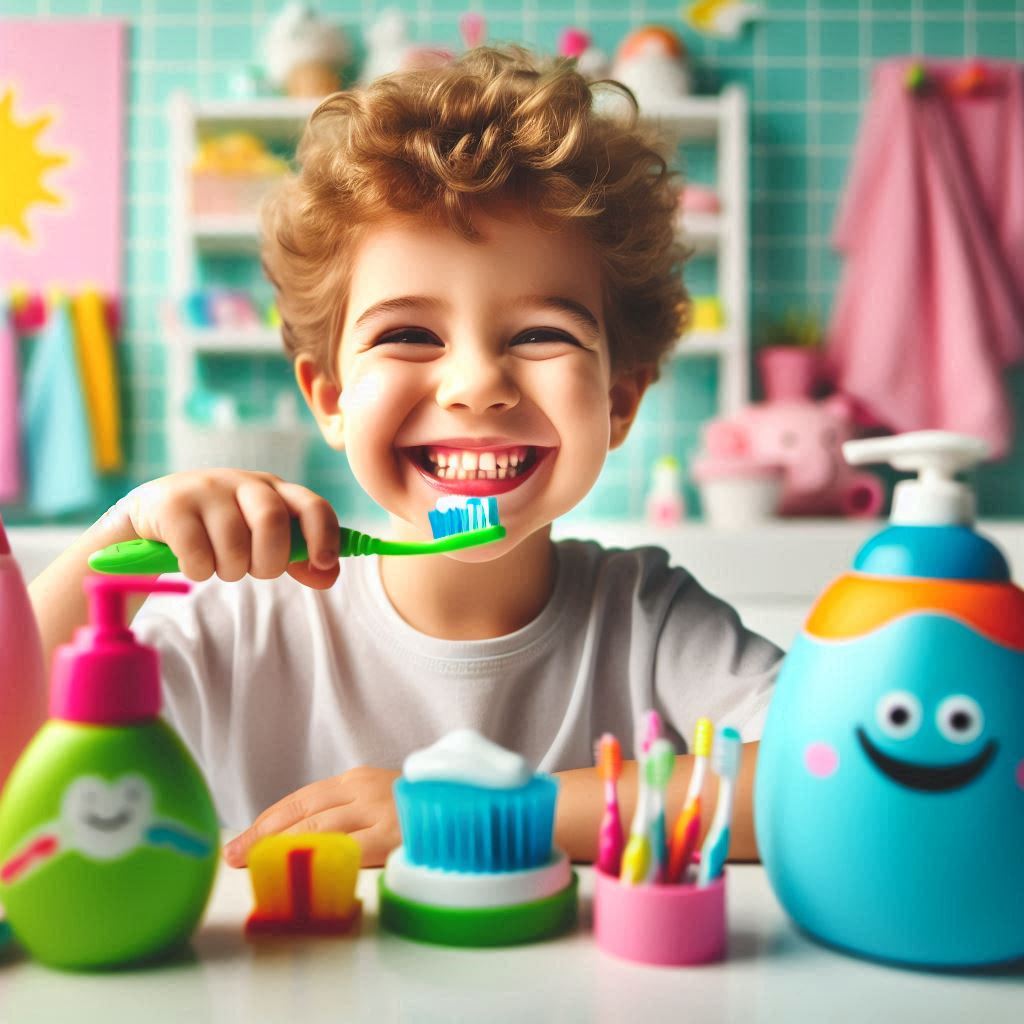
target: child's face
476 368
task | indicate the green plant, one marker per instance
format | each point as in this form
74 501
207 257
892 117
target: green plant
794 330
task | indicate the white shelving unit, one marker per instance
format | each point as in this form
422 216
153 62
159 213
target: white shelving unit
724 121
721 119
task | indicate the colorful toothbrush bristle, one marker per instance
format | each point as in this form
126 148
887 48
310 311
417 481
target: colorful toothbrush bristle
454 515
652 730
609 758
703 737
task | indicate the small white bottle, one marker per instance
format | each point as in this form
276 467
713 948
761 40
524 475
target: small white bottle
665 503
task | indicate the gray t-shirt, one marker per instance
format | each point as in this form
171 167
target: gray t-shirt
273 685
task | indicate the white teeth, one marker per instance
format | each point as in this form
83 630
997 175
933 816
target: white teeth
475 465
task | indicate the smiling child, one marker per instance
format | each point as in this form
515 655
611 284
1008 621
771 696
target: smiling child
478 276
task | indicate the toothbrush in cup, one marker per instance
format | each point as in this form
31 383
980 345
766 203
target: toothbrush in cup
456 523
687 827
636 858
725 760
661 761
610 839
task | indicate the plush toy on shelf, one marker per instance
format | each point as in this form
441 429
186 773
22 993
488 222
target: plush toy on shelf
304 53
390 49
805 438
591 62
653 63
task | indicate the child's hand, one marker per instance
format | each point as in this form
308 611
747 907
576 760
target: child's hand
232 522
358 802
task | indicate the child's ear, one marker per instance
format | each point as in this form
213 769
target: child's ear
323 397
624 396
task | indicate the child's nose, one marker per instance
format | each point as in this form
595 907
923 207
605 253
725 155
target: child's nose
477 382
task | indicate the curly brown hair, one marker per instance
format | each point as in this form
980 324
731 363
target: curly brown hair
495 125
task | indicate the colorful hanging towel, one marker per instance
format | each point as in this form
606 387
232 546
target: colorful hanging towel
10 427
58 447
99 379
930 308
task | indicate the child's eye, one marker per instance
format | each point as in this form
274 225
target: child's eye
544 335
409 336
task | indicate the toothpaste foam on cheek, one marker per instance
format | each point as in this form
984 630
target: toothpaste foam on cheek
365 391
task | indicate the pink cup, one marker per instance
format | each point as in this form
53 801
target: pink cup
672 925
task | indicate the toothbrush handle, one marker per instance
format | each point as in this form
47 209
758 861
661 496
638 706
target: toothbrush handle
713 860
609 842
636 860
153 557
684 840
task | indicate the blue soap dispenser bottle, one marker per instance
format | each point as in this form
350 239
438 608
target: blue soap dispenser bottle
889 800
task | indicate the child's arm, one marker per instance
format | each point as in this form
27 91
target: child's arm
224 521
360 802
581 805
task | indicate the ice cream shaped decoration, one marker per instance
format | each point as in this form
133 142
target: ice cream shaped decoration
108 835
889 800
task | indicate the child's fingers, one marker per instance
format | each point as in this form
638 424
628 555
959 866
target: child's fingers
318 521
269 522
309 576
229 535
187 538
298 807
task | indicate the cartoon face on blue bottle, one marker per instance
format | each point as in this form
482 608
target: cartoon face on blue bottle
890 791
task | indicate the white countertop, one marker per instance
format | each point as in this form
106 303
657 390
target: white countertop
773 973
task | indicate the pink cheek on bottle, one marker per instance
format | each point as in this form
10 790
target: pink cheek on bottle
1020 774
821 760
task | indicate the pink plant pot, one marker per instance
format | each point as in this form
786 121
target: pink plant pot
788 372
672 925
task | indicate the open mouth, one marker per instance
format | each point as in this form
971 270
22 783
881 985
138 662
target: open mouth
923 777
477 472
109 824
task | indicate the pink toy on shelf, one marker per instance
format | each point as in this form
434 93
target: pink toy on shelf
805 438
23 684
699 199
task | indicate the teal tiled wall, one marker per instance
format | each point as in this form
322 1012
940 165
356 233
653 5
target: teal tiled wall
806 66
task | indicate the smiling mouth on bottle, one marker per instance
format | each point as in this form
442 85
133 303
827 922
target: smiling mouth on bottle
118 821
484 471
926 778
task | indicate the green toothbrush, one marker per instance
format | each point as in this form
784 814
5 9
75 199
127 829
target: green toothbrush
456 523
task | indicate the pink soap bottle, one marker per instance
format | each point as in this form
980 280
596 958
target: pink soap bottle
23 687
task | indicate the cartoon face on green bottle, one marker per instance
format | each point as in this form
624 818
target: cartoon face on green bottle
108 844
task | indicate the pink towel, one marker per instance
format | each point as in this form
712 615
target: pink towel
10 430
930 308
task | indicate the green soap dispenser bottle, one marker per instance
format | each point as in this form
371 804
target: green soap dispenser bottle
108 835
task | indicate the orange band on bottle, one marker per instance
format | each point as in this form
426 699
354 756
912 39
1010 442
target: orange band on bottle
856 604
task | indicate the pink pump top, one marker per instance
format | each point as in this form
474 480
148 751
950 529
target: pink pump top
105 676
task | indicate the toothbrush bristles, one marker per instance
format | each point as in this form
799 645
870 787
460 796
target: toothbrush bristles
457 515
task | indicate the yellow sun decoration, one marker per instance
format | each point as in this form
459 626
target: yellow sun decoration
22 166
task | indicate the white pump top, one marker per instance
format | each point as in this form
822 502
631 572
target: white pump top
935 498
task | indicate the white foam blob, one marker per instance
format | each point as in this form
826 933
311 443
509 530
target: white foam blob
466 756
365 391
